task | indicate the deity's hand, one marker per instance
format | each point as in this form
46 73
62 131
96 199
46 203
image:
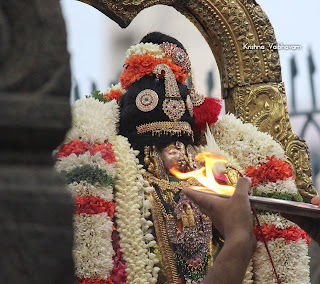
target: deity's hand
310 225
232 217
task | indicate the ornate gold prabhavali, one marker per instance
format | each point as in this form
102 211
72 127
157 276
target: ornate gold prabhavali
243 43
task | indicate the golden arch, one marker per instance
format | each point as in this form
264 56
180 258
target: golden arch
241 38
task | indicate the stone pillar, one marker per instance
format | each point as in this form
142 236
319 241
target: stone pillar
35 209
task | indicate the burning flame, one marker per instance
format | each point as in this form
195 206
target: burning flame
205 175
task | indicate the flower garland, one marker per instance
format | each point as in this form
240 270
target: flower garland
87 161
118 274
291 233
102 254
131 210
271 171
148 48
93 121
93 205
83 188
284 186
244 143
80 147
115 92
258 156
291 262
92 250
137 66
73 161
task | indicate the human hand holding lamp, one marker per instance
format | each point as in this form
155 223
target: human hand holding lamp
232 217
206 177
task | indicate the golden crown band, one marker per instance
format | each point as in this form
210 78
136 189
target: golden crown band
166 127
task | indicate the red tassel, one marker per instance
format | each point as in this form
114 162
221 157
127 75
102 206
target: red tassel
206 113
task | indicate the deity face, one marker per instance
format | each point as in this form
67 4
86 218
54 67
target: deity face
174 155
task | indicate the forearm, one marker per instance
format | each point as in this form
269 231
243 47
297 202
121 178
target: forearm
232 262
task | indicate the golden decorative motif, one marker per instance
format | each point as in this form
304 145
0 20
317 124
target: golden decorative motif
241 38
231 28
172 186
232 176
164 246
297 151
160 218
265 106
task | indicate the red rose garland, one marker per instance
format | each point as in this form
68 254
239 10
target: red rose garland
80 147
93 205
271 171
74 147
289 234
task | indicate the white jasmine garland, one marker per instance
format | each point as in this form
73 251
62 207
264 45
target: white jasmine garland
151 49
288 259
275 219
249 274
92 246
284 186
244 142
84 188
73 161
93 121
131 224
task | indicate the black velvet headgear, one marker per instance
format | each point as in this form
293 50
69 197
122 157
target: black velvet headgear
132 117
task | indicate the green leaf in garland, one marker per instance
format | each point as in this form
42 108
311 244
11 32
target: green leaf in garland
279 195
99 96
93 175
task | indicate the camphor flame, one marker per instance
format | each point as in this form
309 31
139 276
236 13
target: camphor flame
205 175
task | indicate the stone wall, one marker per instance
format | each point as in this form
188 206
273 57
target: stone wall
35 209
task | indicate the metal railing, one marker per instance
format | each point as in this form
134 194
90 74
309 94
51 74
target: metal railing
310 114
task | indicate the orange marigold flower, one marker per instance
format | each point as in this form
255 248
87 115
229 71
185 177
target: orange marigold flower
114 95
137 66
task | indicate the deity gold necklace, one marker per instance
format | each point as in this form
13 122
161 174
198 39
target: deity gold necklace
187 229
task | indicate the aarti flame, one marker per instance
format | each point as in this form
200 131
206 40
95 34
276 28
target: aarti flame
205 175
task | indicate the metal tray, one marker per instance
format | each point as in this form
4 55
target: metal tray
279 205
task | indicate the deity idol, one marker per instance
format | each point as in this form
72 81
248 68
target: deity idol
132 224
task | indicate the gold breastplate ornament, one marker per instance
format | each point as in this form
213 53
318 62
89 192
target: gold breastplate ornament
184 234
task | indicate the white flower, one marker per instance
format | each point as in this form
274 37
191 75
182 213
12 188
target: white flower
275 219
93 121
92 246
73 161
115 87
132 208
146 49
284 186
86 189
244 142
290 260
